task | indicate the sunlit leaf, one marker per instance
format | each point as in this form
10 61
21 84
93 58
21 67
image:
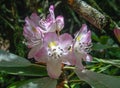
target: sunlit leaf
12 60
97 80
36 83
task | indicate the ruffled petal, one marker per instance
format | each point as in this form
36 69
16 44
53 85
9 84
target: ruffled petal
33 37
51 9
50 24
32 32
47 25
35 18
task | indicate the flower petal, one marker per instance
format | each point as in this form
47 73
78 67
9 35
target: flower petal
50 24
88 58
60 22
51 9
83 29
54 68
50 37
79 58
41 55
85 38
117 33
33 37
33 51
69 59
65 40
32 32
35 18
83 35
47 25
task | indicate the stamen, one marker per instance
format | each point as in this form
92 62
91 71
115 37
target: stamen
58 32
61 49
83 47
69 48
54 49
58 56
61 54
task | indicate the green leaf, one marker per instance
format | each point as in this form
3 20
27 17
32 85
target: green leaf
32 70
36 83
115 52
104 39
95 37
99 46
98 80
12 60
13 64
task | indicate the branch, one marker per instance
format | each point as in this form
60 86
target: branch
99 19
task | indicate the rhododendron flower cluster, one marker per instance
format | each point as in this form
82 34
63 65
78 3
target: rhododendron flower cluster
48 46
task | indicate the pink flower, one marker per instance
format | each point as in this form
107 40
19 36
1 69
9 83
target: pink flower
56 51
35 27
32 32
82 46
117 33
52 49
51 24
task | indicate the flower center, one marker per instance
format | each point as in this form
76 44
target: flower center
52 44
55 51
83 47
78 38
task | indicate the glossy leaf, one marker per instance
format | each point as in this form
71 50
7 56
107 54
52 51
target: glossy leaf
12 60
36 83
97 80
32 70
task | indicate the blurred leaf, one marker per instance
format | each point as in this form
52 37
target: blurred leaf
110 61
113 5
95 37
104 39
99 46
75 85
97 80
33 70
115 52
12 60
36 83
7 22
